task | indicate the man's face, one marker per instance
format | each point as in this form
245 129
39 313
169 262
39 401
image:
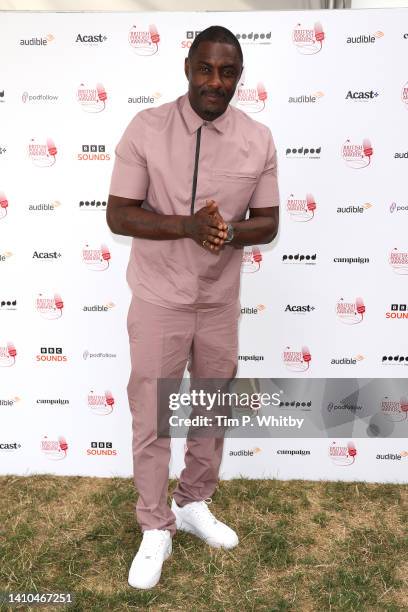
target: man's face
213 74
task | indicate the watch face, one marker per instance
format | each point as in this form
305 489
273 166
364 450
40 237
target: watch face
230 233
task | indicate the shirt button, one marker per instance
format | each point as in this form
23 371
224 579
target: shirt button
205 123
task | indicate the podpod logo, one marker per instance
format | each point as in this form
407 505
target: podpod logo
96 259
398 261
8 304
299 308
91 39
404 94
303 405
99 307
357 155
27 97
395 410
303 152
44 206
394 207
297 361
51 353
3 205
310 98
56 449
307 40
92 204
145 99
301 209
37 42
144 42
93 152
92 99
299 258
7 355
100 404
253 310
354 208
342 454
350 313
397 311
102 448
42 154
255 38
347 360
362 95
49 306
391 360
251 452
365 38
251 259
251 99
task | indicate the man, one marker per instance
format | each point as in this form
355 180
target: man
195 164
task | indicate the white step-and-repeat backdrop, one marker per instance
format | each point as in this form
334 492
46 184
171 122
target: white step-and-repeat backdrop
327 299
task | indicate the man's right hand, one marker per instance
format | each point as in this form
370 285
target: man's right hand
207 227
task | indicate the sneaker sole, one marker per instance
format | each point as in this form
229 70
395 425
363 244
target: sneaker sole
156 577
183 526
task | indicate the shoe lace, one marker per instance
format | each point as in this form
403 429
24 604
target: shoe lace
153 539
202 510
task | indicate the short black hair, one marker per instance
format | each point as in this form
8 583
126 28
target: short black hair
216 34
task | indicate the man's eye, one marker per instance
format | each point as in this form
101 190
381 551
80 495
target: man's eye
229 74
204 68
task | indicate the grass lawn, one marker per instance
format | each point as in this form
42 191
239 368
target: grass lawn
304 546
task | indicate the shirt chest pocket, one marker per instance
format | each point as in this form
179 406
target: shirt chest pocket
232 191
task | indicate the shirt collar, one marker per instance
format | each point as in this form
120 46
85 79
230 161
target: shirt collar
194 121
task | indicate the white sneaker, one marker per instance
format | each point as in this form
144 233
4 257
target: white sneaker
197 518
146 567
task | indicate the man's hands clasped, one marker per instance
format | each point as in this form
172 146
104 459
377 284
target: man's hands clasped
207 227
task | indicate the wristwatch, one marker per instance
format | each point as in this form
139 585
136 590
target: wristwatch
230 233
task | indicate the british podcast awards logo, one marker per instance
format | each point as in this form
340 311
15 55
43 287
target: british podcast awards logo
398 261
251 260
357 155
144 42
92 99
3 205
7 355
350 313
100 404
251 99
342 454
301 209
394 410
96 259
49 306
297 361
54 450
42 154
307 40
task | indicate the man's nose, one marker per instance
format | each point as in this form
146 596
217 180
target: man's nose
215 81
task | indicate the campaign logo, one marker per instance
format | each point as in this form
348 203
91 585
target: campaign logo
51 353
394 207
397 311
49 306
365 38
308 40
8 304
99 307
293 451
357 155
27 97
354 208
55 450
92 204
251 357
52 401
93 152
42 154
398 261
91 40
102 448
350 313
100 404
303 152
45 206
251 99
3 205
251 260
7 355
342 454
92 99
297 361
87 355
362 95
299 308
404 94
394 410
394 360
301 209
144 42
351 260
306 98
37 42
347 360
253 310
145 99
96 259
299 258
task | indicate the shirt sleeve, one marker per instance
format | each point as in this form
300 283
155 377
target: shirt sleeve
266 192
130 177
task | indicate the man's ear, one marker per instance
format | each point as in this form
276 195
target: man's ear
186 67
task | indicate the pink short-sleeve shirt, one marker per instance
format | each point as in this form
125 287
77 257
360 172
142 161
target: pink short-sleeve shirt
154 162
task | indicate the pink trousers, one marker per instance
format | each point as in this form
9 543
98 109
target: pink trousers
162 342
